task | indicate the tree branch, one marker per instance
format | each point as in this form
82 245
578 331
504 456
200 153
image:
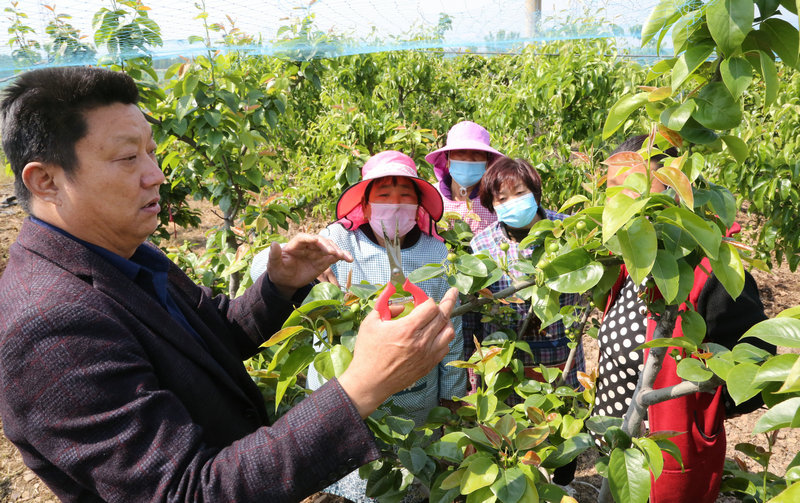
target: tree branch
655 396
632 422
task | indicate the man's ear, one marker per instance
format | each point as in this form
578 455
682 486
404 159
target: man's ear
41 179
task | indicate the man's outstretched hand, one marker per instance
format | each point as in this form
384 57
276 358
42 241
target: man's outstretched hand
391 355
301 260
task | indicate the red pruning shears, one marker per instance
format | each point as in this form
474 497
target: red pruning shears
397 280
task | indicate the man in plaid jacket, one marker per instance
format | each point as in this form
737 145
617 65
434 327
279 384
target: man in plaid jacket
120 379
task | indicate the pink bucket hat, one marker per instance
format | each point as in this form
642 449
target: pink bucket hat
349 211
465 135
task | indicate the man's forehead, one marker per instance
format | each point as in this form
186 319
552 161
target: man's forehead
118 123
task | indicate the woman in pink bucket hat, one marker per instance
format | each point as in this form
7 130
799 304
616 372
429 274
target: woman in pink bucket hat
391 195
459 166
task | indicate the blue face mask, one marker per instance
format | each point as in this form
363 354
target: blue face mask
467 173
517 212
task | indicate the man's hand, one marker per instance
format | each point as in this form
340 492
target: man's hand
301 260
391 355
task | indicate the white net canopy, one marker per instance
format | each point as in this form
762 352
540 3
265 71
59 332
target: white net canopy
61 32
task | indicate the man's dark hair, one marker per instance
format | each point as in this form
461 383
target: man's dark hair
506 170
634 144
43 115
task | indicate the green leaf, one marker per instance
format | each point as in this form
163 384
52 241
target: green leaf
323 291
190 83
316 307
676 241
651 450
678 342
448 451
675 178
441 494
779 331
792 312
572 272
599 424
790 495
568 450
657 19
453 480
668 447
481 472
621 110
333 363
572 201
666 275
676 116
639 245
531 437
183 106
747 353
736 147
721 365
689 61
618 211
776 368
728 269
510 485
506 425
716 108
724 204
770 74
792 382
282 335
425 273
213 117
693 326
629 478
783 39
298 360
737 73
729 22
414 459
693 132
691 369
683 29
741 385
462 282
783 415
704 233
471 265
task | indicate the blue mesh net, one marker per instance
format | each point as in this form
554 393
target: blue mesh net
50 32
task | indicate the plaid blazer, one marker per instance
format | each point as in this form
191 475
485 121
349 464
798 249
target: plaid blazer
110 399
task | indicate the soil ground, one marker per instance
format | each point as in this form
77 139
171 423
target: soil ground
779 290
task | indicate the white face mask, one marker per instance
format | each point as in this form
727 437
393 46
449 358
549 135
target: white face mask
394 217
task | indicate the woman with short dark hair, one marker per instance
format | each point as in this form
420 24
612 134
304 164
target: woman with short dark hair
512 188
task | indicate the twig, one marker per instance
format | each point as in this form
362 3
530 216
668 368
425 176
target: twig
571 356
502 294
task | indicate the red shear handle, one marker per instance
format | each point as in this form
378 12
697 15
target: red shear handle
419 295
382 304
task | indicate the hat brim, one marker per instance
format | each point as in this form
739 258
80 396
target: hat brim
438 158
430 200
